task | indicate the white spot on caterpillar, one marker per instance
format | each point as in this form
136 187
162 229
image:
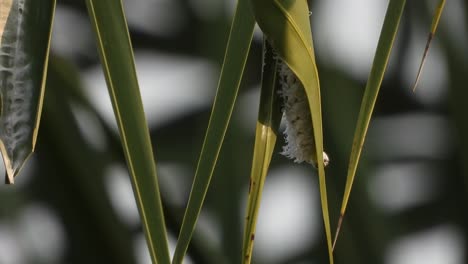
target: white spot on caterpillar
16 90
299 134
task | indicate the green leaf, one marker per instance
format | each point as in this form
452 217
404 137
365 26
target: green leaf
269 118
287 27
83 186
118 63
25 30
435 23
231 74
382 54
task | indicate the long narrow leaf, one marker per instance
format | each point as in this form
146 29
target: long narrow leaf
235 58
58 127
435 23
269 117
25 31
286 25
118 62
382 54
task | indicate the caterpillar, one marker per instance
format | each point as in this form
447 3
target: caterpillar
299 135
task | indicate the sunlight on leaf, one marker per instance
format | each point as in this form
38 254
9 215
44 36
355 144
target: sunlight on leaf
269 117
287 27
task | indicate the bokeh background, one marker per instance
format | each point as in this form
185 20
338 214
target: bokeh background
73 202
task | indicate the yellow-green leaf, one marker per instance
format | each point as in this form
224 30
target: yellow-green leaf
118 63
269 117
25 30
286 25
231 74
382 54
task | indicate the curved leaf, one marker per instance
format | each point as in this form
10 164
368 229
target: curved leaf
118 64
286 25
231 74
269 117
25 30
382 54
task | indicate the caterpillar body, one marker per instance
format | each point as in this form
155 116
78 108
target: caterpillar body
299 134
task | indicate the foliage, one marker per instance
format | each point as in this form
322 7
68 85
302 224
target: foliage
70 172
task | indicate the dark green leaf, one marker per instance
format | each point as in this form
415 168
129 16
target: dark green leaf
25 30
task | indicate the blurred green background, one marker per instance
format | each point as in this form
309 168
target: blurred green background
73 202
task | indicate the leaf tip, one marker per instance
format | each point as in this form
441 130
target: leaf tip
338 228
9 177
423 60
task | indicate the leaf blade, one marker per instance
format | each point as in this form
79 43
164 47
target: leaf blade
25 33
231 73
118 64
266 133
286 24
435 23
382 55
